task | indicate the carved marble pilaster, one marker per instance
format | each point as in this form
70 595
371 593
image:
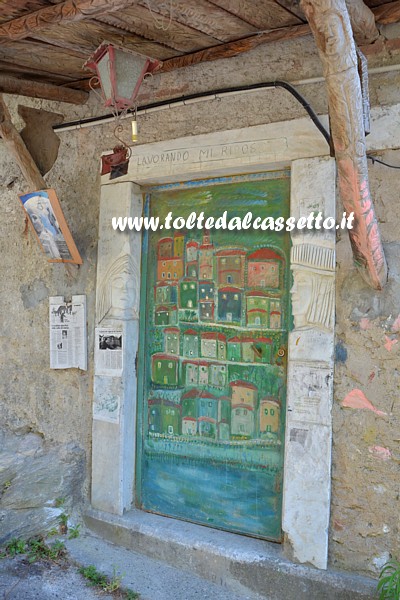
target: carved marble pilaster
307 467
117 309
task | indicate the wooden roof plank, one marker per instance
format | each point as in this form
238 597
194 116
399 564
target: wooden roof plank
373 3
203 16
53 60
86 36
143 45
168 32
263 14
293 7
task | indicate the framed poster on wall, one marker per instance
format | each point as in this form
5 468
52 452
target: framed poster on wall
47 219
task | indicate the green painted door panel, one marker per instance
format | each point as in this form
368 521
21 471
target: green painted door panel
212 383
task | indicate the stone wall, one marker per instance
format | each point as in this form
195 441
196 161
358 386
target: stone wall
366 451
46 415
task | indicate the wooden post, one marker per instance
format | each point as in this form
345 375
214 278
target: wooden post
330 24
17 148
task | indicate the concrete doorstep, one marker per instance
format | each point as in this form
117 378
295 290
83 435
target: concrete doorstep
151 578
166 559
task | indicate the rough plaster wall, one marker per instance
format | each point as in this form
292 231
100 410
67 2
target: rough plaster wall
57 404
47 412
366 447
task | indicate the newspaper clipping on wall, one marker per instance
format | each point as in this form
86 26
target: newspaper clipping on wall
68 339
108 351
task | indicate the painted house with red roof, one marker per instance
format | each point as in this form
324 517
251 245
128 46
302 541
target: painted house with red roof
205 414
263 310
213 345
169 269
166 315
191 339
179 243
165 247
275 319
230 304
207 407
166 292
202 406
243 392
224 418
188 293
234 349
206 257
270 414
195 372
218 375
242 421
164 369
164 417
191 372
189 412
257 305
244 402
171 340
192 251
230 266
192 269
206 310
206 300
256 349
264 268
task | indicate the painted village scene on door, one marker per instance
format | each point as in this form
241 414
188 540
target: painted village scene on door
215 354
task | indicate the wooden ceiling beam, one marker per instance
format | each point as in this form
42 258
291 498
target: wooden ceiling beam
65 12
36 89
387 13
362 21
231 49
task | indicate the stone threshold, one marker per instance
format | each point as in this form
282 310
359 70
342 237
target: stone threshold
237 562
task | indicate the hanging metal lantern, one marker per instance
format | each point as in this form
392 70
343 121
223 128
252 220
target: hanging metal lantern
120 73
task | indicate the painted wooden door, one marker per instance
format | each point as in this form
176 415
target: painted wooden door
213 355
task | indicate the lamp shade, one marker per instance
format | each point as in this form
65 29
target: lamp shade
120 73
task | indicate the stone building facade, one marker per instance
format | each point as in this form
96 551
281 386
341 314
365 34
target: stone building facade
49 445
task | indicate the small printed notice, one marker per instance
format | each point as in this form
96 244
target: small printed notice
68 339
107 399
108 351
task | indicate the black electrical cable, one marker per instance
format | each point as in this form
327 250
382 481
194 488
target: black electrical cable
244 88
183 99
373 159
